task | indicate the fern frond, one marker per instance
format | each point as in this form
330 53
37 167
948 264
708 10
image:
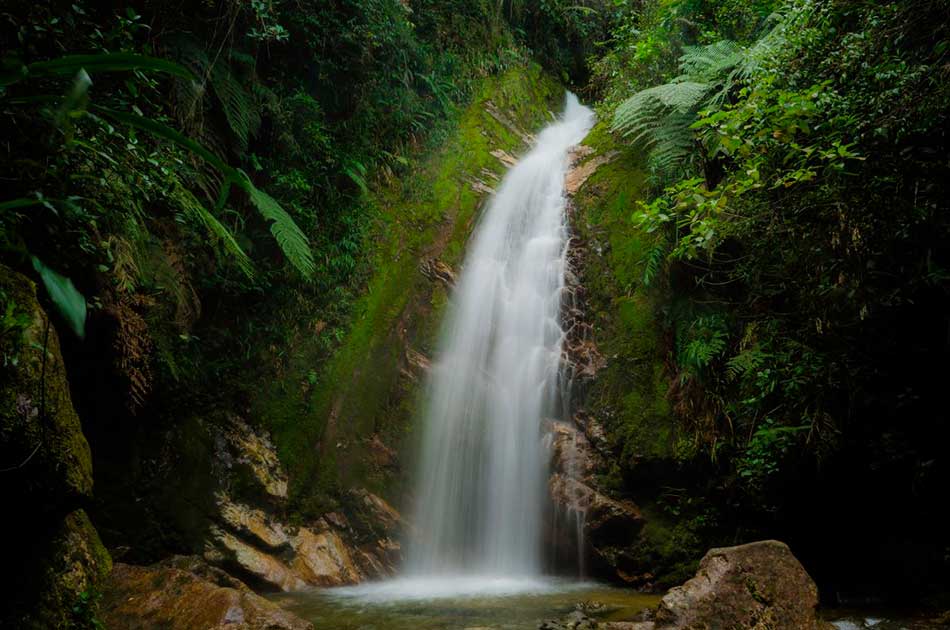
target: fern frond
293 242
238 108
711 62
215 229
653 261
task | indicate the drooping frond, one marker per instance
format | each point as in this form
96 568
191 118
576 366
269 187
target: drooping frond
293 242
215 229
235 103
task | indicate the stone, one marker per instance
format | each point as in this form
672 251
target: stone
571 453
609 519
252 523
262 567
45 456
173 598
581 169
756 586
322 559
253 451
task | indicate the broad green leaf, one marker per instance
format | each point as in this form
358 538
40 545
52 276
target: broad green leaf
68 301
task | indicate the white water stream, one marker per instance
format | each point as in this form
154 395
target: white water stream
481 485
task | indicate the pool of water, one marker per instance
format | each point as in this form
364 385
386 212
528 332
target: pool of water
465 603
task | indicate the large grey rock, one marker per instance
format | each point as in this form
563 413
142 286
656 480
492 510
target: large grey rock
757 586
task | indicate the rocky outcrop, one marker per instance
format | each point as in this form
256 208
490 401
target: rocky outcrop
46 465
328 552
185 594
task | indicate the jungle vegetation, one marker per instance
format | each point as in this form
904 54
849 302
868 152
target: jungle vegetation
183 178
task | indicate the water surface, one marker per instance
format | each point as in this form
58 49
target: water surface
469 603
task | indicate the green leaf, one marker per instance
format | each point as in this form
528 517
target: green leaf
69 65
293 242
68 301
172 135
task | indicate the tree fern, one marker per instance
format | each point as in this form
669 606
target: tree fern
659 118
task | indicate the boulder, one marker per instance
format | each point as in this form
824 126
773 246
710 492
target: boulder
45 456
757 586
180 596
46 476
330 551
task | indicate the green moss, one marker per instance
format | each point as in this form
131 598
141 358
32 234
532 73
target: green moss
322 425
631 391
37 420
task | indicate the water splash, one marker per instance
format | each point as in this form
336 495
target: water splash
480 489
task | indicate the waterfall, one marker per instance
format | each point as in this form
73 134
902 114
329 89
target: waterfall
481 481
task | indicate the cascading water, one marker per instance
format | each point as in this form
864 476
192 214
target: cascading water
481 479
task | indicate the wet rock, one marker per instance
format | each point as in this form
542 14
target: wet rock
253 523
438 271
250 454
176 598
577 620
608 519
382 513
759 585
266 570
582 168
322 559
571 453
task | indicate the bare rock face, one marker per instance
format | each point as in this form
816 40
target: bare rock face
184 594
757 586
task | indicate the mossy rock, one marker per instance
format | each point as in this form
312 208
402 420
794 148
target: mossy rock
630 393
41 438
56 551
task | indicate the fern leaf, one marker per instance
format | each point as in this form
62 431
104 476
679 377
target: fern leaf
293 242
234 100
216 230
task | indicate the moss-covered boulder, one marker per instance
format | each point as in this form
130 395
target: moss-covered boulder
44 453
47 473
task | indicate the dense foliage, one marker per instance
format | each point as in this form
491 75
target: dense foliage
799 158
189 185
